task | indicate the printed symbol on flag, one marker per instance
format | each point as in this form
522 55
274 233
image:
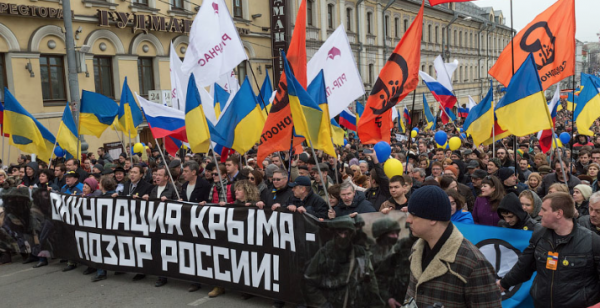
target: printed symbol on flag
174 93
392 94
215 7
546 50
278 105
503 256
333 52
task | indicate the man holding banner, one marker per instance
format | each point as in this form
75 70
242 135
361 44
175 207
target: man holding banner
565 255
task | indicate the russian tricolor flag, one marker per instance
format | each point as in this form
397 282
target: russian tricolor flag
545 136
463 112
348 119
440 93
406 116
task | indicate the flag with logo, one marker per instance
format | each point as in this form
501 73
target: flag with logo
215 48
399 76
178 81
550 37
342 79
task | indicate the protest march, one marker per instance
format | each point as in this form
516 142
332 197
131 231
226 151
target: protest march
313 192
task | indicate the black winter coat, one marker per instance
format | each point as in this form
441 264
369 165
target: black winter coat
359 205
510 203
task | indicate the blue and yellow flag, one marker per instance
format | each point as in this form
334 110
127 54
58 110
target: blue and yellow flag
26 132
316 89
588 105
20 125
401 124
306 114
480 121
196 127
359 111
428 115
338 133
241 124
265 94
524 110
220 100
67 136
97 113
129 115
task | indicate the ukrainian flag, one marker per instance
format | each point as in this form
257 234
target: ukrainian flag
129 115
337 133
428 115
524 110
317 91
44 153
305 112
588 106
220 100
97 113
196 126
359 111
401 125
480 121
21 126
242 122
265 94
67 136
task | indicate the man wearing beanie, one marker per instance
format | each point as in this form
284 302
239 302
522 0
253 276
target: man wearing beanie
581 195
509 180
445 267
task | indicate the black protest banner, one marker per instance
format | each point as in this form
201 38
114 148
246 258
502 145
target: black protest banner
246 249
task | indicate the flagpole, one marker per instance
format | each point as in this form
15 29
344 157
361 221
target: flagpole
121 140
223 189
3 161
51 153
323 180
512 53
264 105
168 171
493 133
410 125
131 147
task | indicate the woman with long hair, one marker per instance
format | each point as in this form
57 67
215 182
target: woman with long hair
246 193
534 181
256 178
486 205
458 207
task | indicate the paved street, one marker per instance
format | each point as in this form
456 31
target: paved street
24 286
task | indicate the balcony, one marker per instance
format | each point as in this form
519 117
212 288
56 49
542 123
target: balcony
351 37
312 33
371 39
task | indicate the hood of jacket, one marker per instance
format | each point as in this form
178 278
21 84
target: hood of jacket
537 205
510 203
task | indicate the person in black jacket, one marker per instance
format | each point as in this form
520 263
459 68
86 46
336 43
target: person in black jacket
513 216
565 255
164 189
304 200
195 189
352 202
279 192
135 187
380 184
592 221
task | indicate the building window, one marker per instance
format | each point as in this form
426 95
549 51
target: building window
460 39
471 40
53 78
241 71
177 4
369 22
330 16
460 76
237 9
349 19
431 71
309 12
405 25
429 33
3 81
437 29
145 75
103 79
387 26
455 38
371 73
142 2
397 27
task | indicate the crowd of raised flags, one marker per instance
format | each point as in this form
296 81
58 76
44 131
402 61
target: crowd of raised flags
309 97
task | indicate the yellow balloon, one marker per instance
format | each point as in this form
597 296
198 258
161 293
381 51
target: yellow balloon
413 134
146 147
441 146
138 148
455 143
393 167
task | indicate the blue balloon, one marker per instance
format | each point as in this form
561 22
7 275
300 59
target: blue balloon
382 150
565 137
440 137
59 152
463 135
345 141
460 130
416 129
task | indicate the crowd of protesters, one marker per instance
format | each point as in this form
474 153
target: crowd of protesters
509 184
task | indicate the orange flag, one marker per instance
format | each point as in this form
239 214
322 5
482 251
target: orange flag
277 133
551 39
399 76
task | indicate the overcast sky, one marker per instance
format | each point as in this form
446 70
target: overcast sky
586 14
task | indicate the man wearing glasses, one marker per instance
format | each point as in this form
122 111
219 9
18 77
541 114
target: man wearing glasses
279 192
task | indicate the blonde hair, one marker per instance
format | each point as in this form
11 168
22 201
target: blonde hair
559 187
537 176
249 189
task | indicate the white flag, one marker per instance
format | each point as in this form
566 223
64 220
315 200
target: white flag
229 82
215 47
179 82
471 103
342 79
445 71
